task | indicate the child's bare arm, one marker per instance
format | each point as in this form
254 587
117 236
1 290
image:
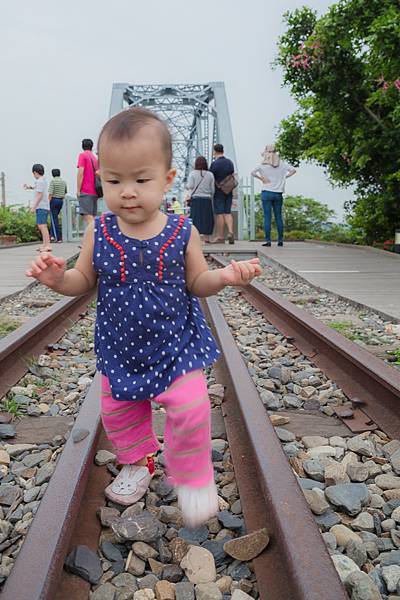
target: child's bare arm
50 270
202 283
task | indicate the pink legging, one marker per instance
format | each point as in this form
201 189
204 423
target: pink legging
187 437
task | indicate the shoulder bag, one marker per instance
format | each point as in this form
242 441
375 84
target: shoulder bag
97 182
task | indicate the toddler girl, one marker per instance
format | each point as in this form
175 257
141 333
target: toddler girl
151 339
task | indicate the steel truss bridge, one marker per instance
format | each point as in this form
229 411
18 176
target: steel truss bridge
197 116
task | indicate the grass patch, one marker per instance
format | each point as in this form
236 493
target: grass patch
7 325
12 407
395 353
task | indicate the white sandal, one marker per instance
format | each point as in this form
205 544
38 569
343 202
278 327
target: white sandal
198 505
130 485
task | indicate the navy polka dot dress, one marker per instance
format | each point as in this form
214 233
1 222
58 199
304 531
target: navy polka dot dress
149 328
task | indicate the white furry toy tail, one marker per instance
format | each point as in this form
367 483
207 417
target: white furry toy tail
198 504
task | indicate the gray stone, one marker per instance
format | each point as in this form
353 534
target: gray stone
184 590
309 484
391 576
344 566
140 528
395 461
363 522
361 587
376 576
387 481
271 401
172 573
85 563
164 553
239 595
148 582
350 497
208 591
34 459
135 565
316 501
361 446
329 540
217 550
111 552
313 441
9 493
171 514
391 558
239 570
78 434
229 521
292 449
104 592
194 536
103 457
389 506
7 431
32 494
314 469
358 472
284 434
144 551
357 552
292 401
44 473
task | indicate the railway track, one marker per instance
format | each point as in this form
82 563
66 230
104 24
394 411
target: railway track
296 563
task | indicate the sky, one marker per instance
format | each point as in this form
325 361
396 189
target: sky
58 61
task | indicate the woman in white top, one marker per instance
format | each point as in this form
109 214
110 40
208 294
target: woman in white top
273 173
200 190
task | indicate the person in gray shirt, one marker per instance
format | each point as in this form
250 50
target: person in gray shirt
200 192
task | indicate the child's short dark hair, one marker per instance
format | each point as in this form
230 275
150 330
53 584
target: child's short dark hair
87 144
38 168
56 172
126 124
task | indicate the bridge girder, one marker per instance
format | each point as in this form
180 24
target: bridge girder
196 114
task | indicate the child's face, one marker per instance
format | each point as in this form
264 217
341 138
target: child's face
135 176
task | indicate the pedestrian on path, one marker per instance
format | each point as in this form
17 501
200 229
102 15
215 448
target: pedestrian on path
272 172
200 192
86 182
57 191
225 182
151 338
40 206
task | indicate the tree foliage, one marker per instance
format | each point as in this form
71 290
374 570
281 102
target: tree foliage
343 69
19 221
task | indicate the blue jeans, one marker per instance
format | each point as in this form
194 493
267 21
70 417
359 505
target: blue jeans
55 207
272 201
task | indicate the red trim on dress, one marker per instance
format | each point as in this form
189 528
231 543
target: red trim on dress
165 246
120 249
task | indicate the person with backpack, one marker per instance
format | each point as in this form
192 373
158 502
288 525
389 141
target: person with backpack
225 182
86 182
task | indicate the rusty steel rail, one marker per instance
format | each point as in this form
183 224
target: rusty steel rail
38 568
33 337
296 563
373 384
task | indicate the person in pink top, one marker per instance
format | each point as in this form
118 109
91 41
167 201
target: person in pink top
86 189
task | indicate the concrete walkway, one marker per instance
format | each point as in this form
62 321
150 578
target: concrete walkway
364 275
15 260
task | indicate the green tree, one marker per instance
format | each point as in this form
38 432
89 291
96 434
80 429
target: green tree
305 214
301 214
343 69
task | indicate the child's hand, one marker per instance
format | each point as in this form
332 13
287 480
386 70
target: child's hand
240 273
47 269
